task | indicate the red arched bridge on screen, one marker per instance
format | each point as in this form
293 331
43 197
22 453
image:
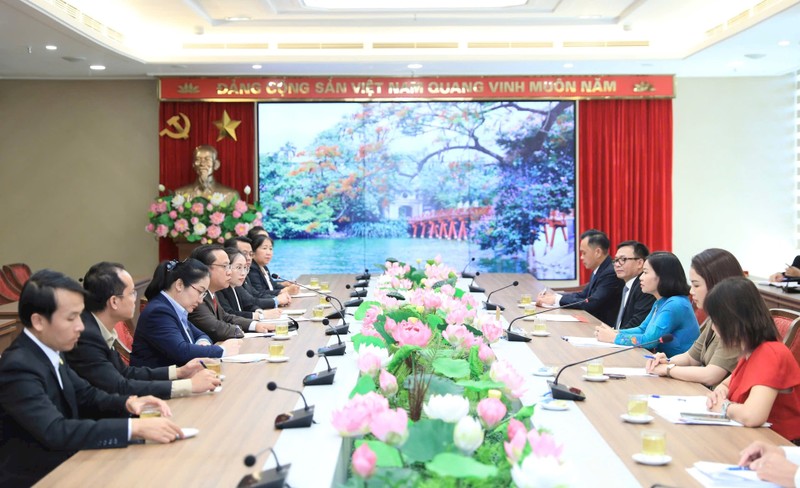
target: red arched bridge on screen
450 223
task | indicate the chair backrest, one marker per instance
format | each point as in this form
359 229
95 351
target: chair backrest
18 274
787 322
7 292
124 344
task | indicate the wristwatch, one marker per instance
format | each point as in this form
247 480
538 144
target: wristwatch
724 410
669 369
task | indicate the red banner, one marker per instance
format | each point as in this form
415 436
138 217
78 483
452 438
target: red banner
436 88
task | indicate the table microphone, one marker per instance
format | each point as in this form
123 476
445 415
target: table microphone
361 284
365 275
336 349
473 288
358 295
269 478
341 329
564 392
322 377
302 417
494 306
464 273
517 337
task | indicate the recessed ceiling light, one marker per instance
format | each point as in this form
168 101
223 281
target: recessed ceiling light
51 47
784 43
257 66
97 67
569 65
414 66
238 18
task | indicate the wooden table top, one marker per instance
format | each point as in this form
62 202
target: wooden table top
239 420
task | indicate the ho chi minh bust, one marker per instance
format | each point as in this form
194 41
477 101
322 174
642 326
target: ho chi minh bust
205 163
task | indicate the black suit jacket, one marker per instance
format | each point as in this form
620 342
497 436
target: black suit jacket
259 282
637 306
604 292
244 307
218 325
42 425
101 366
262 300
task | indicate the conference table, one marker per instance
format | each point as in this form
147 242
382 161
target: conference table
239 419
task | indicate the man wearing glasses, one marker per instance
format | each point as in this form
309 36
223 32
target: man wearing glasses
111 298
635 304
209 315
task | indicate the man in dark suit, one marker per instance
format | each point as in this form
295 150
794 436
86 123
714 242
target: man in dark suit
47 411
628 264
604 289
209 315
110 298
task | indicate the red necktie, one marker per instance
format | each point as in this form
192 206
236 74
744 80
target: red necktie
214 299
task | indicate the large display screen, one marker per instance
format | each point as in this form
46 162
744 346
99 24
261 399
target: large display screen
346 185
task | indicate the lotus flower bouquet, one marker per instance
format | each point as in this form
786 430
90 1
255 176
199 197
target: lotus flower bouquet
200 219
433 406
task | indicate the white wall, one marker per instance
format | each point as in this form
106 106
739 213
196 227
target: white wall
733 170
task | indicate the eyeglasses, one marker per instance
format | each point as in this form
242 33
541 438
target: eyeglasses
133 294
241 268
621 261
227 267
202 293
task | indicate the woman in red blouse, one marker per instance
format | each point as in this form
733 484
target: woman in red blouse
765 386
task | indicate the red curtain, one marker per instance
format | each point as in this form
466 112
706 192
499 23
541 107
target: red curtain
625 171
238 157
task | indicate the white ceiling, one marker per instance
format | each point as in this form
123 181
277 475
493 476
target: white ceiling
147 38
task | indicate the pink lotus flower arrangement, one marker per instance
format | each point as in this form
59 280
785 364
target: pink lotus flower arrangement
432 388
202 220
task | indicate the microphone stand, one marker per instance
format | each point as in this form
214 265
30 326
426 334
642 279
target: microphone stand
464 273
322 377
302 417
473 288
493 306
269 478
564 392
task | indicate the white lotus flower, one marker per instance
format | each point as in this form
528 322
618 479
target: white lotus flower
217 199
468 435
450 408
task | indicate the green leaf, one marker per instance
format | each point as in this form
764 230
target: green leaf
525 413
474 330
364 385
380 326
360 340
442 386
452 368
388 456
435 322
427 438
458 466
402 314
481 385
459 293
361 311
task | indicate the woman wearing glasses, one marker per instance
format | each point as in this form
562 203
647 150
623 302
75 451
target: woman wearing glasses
708 361
235 299
672 313
164 335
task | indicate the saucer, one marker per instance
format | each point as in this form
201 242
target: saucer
530 318
651 460
544 371
540 333
556 405
595 378
316 319
312 287
189 432
637 419
282 337
277 359
325 305
523 305
294 311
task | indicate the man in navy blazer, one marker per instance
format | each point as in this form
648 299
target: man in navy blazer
628 265
601 297
110 298
47 411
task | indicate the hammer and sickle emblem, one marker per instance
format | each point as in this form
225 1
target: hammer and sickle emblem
182 130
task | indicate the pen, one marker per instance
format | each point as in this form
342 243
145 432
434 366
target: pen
203 364
738 468
565 338
650 356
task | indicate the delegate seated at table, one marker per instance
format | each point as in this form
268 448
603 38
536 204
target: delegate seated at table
662 277
164 335
707 361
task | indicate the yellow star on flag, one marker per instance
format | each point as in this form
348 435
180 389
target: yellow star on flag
227 126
